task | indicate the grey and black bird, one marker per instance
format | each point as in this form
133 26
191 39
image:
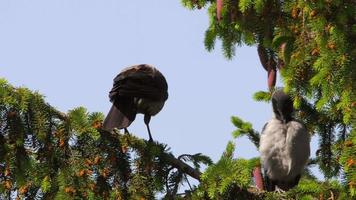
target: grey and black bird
137 89
284 145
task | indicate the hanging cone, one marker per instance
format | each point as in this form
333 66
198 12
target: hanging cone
219 5
262 54
257 175
272 75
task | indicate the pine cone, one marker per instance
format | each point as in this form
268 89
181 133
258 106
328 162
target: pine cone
263 56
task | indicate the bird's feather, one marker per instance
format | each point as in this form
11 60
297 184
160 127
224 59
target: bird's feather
140 81
284 151
121 114
137 89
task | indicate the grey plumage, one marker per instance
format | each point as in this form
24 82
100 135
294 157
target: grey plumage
284 145
137 89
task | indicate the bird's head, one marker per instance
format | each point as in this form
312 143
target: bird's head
282 106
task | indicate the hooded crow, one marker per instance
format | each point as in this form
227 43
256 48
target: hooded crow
284 145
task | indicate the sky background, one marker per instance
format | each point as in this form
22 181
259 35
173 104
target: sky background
70 51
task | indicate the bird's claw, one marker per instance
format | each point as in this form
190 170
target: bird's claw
279 190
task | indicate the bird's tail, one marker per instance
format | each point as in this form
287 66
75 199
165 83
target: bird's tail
287 185
268 183
115 119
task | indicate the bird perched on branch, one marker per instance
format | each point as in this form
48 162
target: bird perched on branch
284 145
137 89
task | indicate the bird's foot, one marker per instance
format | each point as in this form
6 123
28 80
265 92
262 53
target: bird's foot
150 140
279 190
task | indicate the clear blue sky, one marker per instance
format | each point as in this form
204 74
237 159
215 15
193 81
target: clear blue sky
70 51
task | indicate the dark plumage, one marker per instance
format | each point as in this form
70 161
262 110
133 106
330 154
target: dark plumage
137 89
284 145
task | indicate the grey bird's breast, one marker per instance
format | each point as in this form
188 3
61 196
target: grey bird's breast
284 149
147 106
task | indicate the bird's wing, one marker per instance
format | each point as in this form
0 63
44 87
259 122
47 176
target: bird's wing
264 127
140 81
272 150
264 147
263 140
298 145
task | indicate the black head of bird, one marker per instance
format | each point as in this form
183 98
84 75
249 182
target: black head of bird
282 106
137 89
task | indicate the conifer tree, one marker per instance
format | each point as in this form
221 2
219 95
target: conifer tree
47 154
311 43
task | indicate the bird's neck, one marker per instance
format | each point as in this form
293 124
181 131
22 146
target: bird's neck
283 117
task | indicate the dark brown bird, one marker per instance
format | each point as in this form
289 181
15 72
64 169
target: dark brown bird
137 89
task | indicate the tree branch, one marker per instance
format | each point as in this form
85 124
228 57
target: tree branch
140 144
182 166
